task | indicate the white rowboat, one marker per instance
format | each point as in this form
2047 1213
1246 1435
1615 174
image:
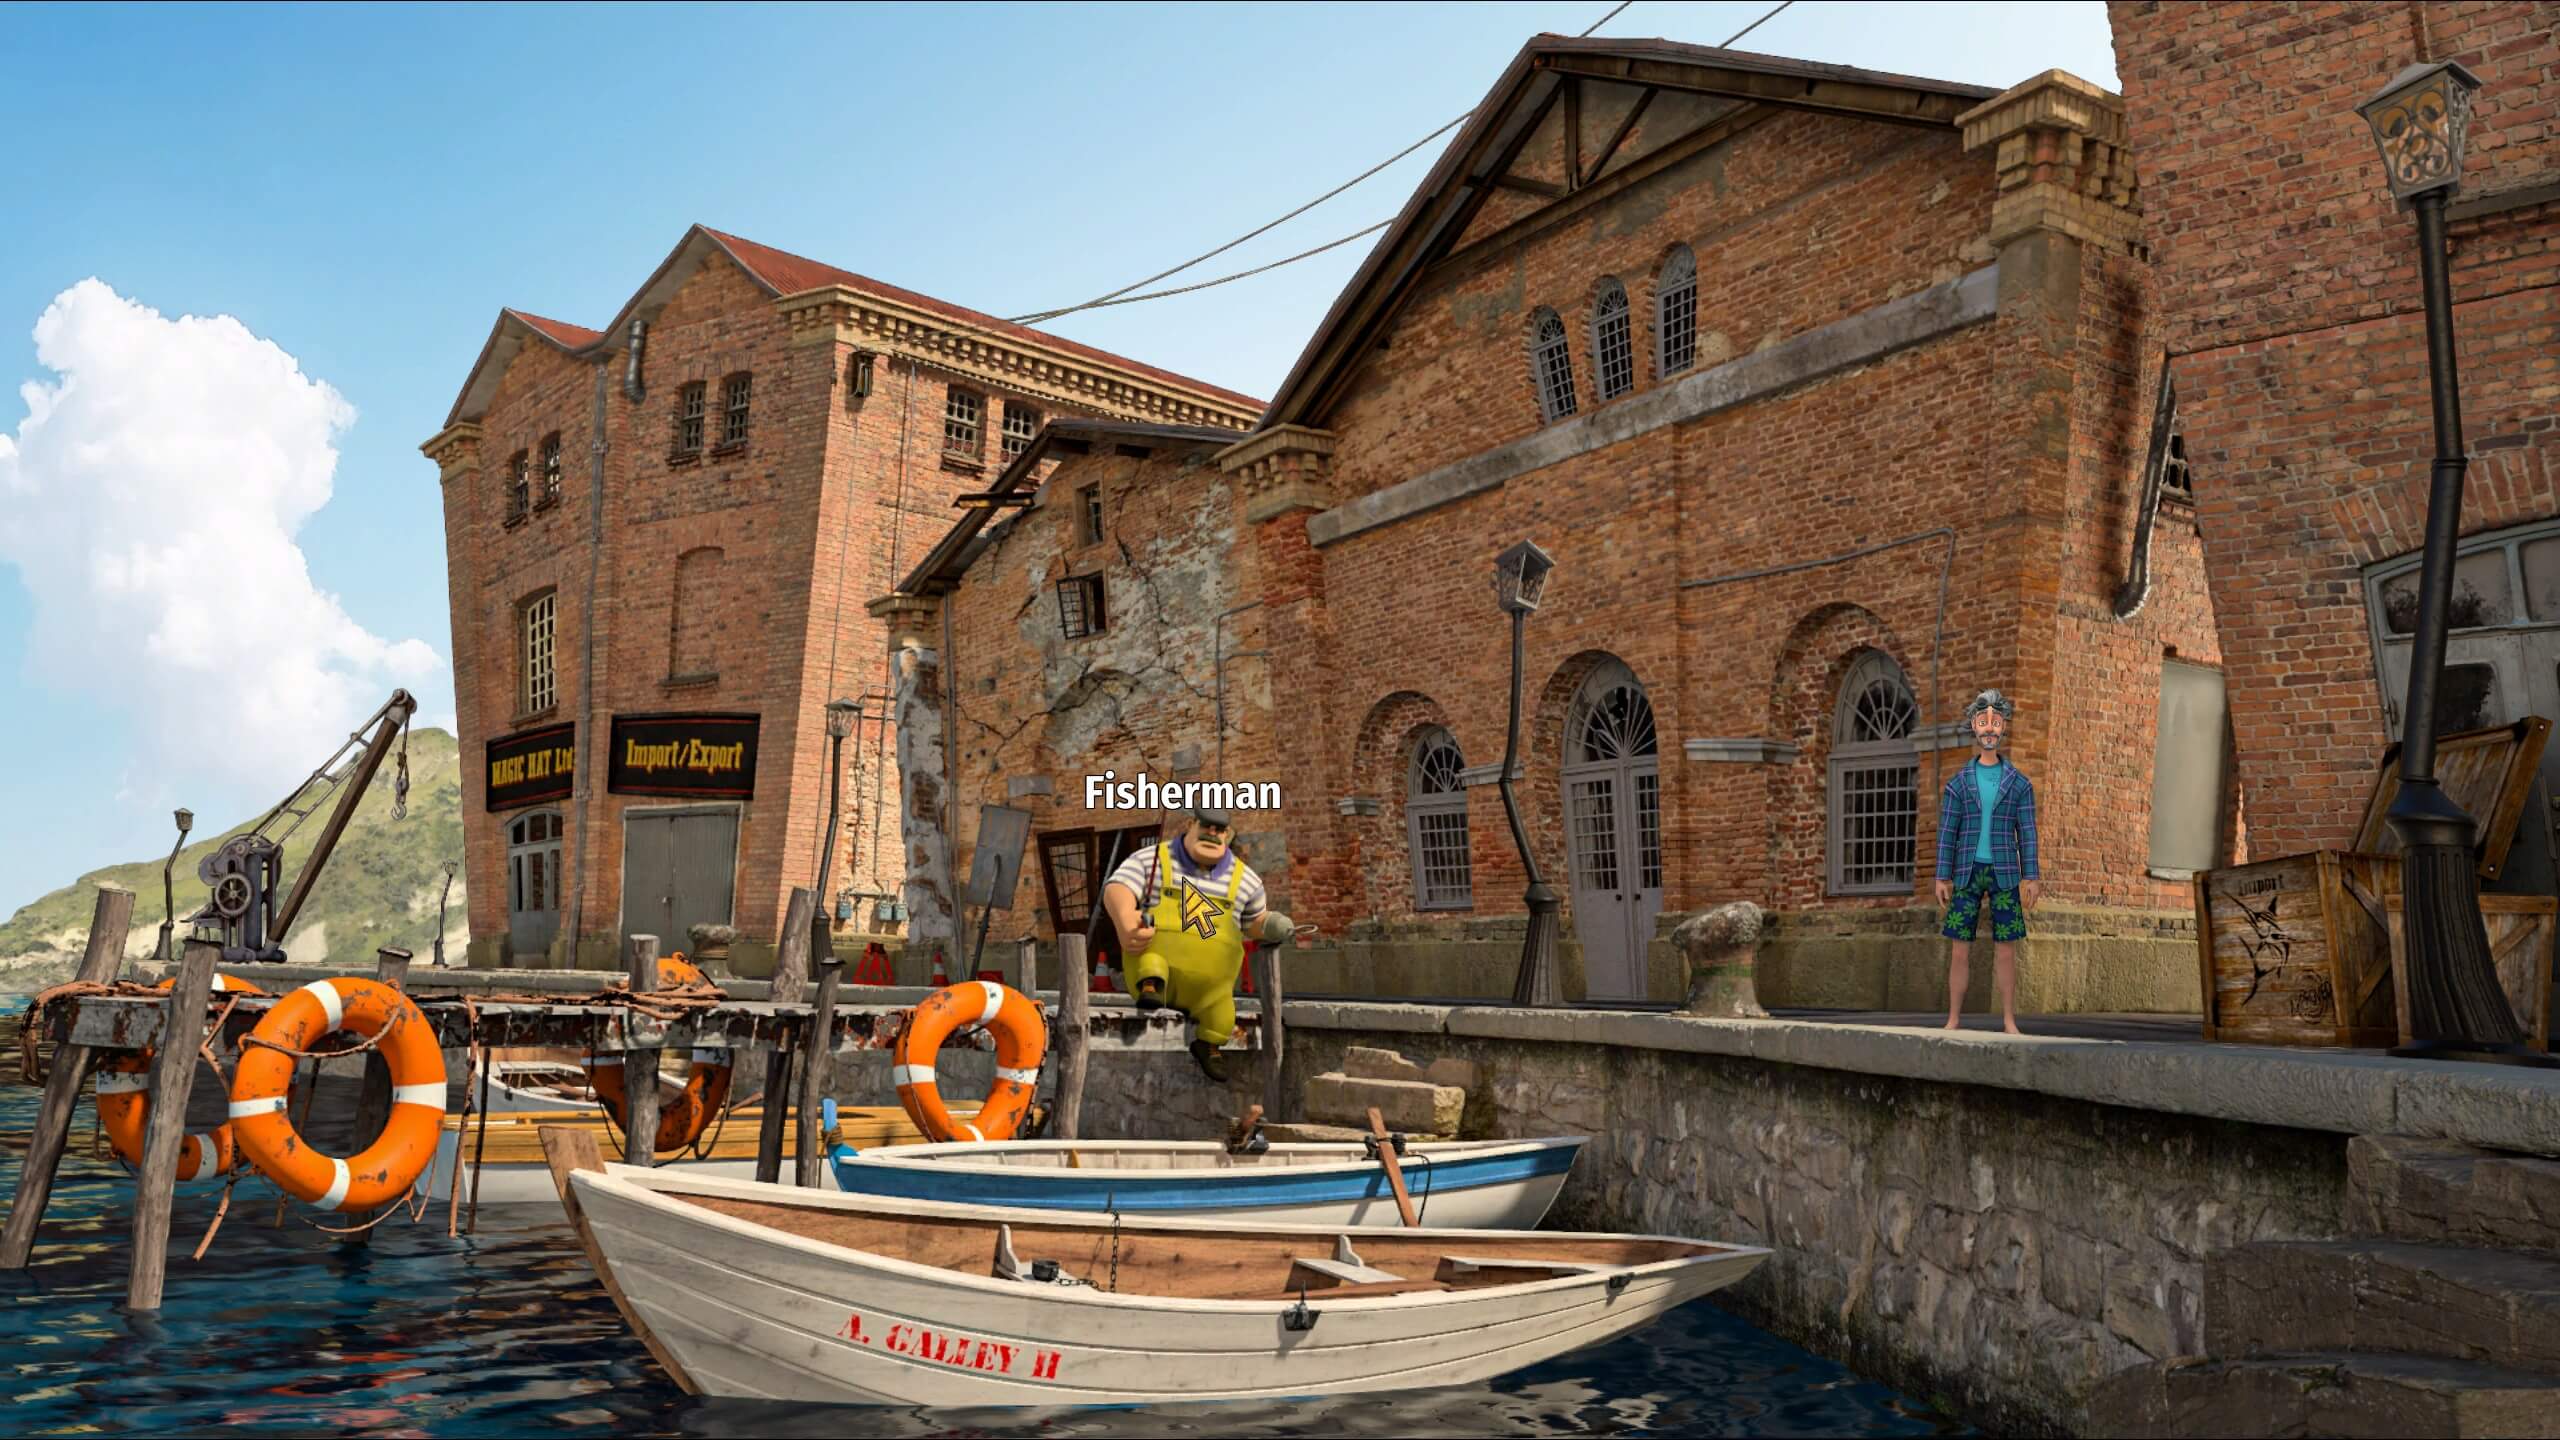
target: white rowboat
773 1292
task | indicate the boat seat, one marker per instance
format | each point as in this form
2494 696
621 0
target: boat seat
1325 1274
1509 1269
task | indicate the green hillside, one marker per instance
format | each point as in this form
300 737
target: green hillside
379 888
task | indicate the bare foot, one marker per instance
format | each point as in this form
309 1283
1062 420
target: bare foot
2011 1026
1952 1024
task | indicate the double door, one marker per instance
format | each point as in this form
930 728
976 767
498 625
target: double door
679 870
1613 815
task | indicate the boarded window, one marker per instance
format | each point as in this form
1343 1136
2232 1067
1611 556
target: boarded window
692 648
2186 771
1675 314
1875 774
1551 365
1436 825
1613 349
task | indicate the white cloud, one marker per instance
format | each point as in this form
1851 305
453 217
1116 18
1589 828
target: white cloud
150 502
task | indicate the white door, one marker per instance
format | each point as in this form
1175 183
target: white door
1613 810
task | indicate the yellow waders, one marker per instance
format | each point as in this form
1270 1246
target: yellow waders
1199 969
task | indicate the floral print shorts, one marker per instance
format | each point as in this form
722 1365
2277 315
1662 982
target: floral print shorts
1964 912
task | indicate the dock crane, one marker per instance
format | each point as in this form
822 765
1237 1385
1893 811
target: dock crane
245 874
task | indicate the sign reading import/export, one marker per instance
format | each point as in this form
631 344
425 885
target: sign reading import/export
698 755
532 766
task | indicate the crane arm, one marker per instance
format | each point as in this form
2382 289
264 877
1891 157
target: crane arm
387 723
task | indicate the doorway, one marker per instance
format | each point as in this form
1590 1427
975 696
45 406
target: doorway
533 883
679 870
1611 778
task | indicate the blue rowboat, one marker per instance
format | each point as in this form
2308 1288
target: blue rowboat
1460 1184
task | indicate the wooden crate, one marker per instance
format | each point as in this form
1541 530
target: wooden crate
2520 938
2489 773
2297 951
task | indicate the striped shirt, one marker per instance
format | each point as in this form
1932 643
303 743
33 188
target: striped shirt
1138 875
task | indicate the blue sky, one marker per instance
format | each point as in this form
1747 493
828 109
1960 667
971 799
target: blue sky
361 188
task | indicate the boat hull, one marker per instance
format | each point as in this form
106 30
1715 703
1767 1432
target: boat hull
1468 1185
743 1310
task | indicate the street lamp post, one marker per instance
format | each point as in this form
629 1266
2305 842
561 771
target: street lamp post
841 715
2457 1011
1519 581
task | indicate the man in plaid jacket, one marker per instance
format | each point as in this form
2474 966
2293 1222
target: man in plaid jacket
1987 836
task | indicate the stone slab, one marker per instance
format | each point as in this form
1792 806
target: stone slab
2345 1394
1414 1107
2435 1192
2497 1307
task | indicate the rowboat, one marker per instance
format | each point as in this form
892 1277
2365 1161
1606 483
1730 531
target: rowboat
1463 1184
771 1292
511 1169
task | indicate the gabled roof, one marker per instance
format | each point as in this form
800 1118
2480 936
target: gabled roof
940 570
778 273
1441 208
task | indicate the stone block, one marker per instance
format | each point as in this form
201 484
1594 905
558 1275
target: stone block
1312 1134
2402 1187
2339 1393
2499 1307
1363 1062
1410 1106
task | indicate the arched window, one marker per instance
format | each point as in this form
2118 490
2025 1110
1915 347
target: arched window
1675 314
1436 825
1551 365
1613 350
1875 773
692 637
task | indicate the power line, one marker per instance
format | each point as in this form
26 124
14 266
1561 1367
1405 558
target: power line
1122 296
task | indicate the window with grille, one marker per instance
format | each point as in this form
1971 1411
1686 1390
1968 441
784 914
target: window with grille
1675 314
1090 503
1436 825
1551 365
736 393
1020 423
1613 350
964 416
540 690
519 485
1080 611
550 493
1875 774
689 411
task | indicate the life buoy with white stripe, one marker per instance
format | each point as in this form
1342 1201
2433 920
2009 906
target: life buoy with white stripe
394 1161
124 1103
682 1119
1022 1037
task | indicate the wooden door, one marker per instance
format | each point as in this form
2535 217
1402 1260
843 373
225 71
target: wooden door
1613 817
533 883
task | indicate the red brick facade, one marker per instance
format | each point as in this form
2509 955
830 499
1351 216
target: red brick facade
773 544
2287 293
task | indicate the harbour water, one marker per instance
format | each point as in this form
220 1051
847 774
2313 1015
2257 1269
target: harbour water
287 1330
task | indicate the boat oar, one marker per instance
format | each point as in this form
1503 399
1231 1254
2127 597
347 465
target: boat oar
1385 1144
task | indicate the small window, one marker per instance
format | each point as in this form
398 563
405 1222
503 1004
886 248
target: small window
1021 422
540 690
1089 505
964 417
519 485
550 493
735 394
1551 365
1080 609
1436 825
1613 351
689 411
1675 314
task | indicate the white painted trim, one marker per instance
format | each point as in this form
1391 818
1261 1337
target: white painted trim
1741 750
1488 774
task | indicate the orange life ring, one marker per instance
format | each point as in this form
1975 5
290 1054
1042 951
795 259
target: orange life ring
388 1167
681 1120
124 1103
1022 1037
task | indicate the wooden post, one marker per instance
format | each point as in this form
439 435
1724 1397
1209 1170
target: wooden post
1026 967
790 971
1272 1034
108 925
640 1067
173 1075
817 1049
1075 1007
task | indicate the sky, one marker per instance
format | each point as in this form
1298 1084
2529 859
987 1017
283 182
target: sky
252 253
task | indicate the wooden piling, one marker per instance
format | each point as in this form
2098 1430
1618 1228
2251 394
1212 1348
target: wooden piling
1269 982
640 1067
1075 1006
816 1050
109 923
790 972
1026 967
173 1075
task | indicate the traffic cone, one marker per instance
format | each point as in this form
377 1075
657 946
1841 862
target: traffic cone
874 969
1102 975
941 972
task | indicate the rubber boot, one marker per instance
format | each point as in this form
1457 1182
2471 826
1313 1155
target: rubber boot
1150 994
1213 1061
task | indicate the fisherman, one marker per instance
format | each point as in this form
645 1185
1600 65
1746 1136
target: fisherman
1987 835
1183 908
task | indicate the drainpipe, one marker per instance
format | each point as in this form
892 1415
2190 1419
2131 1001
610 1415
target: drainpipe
631 361
587 668
2137 581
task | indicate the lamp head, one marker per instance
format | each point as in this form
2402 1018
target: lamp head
186 820
2421 121
1520 577
859 381
840 715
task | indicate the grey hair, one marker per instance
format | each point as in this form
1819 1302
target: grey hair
1990 700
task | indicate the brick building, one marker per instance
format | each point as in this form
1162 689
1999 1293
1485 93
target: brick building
1831 395
658 538
2287 289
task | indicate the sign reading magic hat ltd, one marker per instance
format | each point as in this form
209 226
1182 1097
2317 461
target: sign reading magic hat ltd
532 766
698 755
